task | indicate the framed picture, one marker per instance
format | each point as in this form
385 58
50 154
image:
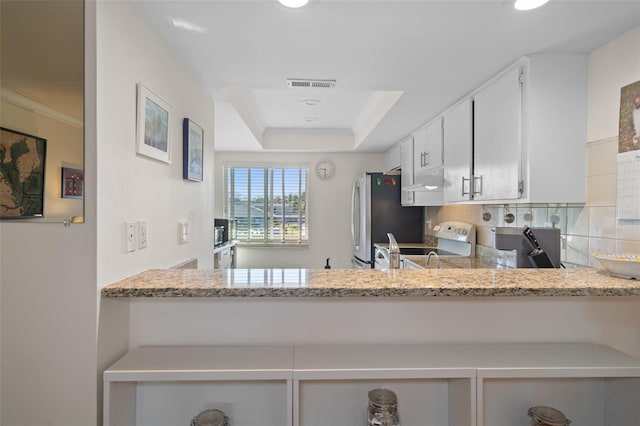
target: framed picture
192 151
153 125
72 183
22 163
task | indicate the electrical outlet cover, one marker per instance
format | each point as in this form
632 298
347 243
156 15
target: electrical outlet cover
130 236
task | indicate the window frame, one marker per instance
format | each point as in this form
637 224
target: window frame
268 170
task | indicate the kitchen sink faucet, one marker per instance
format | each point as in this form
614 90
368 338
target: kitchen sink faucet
394 252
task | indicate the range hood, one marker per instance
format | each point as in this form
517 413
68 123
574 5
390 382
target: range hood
432 180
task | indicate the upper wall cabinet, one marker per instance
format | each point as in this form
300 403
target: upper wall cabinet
414 192
497 139
528 137
391 160
427 148
458 149
406 176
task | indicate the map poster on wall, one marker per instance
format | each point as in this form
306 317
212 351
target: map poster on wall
629 153
22 161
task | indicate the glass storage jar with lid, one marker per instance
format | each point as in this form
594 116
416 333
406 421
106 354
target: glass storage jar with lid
210 418
383 408
547 416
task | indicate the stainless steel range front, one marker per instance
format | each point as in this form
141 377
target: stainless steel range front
454 239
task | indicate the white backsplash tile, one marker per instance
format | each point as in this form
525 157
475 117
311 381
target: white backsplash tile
577 249
602 222
607 245
623 246
601 189
577 220
628 230
602 157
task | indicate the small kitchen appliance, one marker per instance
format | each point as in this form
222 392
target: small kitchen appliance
376 211
222 231
218 236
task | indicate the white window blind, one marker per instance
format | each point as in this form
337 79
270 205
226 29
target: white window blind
268 204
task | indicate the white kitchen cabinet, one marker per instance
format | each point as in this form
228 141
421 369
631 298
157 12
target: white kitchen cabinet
406 174
409 195
391 161
458 149
427 148
528 135
497 139
224 257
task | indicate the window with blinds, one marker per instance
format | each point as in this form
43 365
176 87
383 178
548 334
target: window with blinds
268 204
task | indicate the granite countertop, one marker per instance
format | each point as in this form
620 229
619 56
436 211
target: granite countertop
372 283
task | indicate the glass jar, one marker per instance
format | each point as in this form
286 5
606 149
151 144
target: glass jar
383 408
210 418
547 416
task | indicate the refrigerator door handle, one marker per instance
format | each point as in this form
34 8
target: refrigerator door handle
355 215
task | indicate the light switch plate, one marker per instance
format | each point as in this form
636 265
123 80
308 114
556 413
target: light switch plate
130 236
142 234
183 230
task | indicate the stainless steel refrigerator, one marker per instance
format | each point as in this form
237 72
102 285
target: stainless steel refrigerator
376 210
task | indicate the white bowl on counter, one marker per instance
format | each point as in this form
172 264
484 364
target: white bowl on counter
626 265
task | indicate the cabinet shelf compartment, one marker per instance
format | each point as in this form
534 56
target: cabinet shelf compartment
170 385
433 383
593 385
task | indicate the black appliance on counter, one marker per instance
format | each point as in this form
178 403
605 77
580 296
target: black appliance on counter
224 231
375 211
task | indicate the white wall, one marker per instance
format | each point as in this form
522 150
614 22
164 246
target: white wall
63 149
329 210
612 66
48 305
133 187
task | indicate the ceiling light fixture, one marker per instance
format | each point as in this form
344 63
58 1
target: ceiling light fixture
528 4
310 102
293 3
186 25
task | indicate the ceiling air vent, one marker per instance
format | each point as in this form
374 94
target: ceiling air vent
321 84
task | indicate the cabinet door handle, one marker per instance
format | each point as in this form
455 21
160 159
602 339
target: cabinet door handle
475 186
426 158
463 180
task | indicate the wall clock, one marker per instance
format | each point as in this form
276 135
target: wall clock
325 169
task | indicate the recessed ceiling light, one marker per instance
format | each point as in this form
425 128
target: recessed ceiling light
310 119
186 25
293 3
310 102
528 4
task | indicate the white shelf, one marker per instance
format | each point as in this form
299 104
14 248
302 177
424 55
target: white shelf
549 360
168 385
379 362
166 363
455 384
593 385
